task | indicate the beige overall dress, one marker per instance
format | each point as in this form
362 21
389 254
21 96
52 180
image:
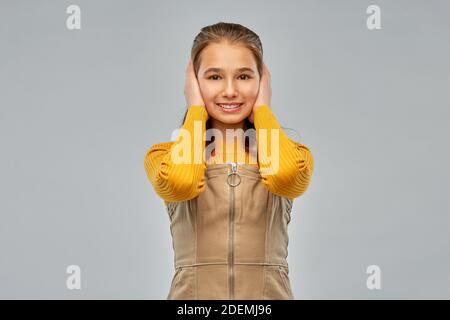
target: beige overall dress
230 242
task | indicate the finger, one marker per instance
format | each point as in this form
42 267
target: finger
188 65
188 72
191 69
193 75
267 70
263 75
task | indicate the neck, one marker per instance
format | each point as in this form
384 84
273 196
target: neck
216 124
225 146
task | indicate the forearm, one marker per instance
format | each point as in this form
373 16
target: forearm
176 169
290 172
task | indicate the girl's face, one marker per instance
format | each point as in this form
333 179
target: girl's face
228 74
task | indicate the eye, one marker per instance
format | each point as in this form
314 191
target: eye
214 75
242 75
246 75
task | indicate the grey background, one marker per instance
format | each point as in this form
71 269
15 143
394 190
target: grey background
80 109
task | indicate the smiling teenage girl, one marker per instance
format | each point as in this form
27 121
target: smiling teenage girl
229 218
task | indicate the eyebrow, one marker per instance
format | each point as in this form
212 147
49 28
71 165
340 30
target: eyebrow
219 70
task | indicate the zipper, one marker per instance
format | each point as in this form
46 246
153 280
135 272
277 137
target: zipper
232 183
233 174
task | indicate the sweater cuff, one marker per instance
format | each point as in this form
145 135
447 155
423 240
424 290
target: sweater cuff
196 112
264 118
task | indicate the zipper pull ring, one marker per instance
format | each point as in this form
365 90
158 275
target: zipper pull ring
233 173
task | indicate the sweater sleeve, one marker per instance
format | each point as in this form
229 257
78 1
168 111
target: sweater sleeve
290 177
180 180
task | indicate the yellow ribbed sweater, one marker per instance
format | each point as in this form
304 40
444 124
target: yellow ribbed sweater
182 181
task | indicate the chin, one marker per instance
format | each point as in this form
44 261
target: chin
231 119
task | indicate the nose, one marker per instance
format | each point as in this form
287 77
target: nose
230 89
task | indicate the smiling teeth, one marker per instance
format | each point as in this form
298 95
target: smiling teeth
230 106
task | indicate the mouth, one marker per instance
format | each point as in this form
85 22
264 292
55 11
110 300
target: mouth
230 107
